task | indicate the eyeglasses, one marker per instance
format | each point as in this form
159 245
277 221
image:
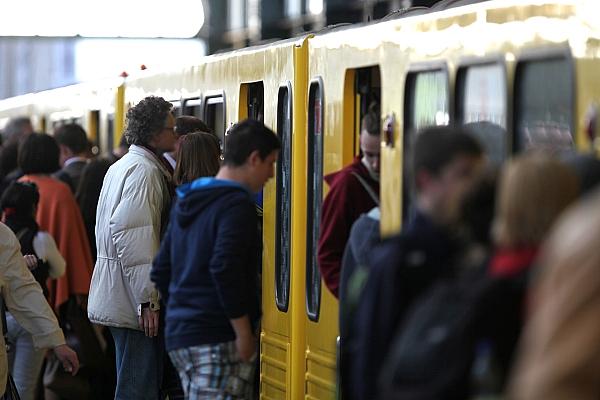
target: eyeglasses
169 128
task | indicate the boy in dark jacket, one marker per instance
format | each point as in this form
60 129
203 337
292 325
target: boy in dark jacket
445 162
206 269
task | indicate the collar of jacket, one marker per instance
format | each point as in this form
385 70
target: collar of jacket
144 152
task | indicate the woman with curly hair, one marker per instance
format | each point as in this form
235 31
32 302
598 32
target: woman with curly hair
132 210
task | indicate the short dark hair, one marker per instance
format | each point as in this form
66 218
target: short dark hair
146 119
370 121
188 123
73 136
39 154
247 136
436 147
22 197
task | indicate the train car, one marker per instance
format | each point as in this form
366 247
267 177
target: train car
521 74
97 106
267 83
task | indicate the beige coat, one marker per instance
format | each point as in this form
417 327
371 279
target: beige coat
129 219
24 299
560 354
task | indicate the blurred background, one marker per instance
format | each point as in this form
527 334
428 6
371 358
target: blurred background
47 44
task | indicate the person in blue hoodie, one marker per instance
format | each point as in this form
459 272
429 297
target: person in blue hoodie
206 269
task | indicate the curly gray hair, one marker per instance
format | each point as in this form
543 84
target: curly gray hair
146 120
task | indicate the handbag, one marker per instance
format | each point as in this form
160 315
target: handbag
11 392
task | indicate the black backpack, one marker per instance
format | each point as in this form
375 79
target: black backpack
42 271
432 352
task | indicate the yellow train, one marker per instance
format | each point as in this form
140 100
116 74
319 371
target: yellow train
526 72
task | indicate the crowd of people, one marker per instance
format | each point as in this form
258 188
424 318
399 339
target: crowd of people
481 295
146 262
105 252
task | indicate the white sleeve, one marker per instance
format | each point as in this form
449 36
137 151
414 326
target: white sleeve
45 248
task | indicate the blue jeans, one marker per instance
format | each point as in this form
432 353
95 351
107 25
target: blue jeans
24 361
139 361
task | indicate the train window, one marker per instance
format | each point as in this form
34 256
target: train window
176 108
314 197
426 103
214 115
110 132
481 106
366 96
284 199
427 100
254 95
192 107
544 105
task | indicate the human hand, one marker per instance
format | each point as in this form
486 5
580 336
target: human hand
246 347
31 261
149 321
68 358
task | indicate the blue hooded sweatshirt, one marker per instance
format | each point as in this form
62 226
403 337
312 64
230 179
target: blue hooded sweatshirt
206 269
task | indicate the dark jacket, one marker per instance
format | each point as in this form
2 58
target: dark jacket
206 269
402 268
71 174
346 201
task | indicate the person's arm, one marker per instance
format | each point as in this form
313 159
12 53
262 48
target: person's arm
45 247
236 231
336 222
161 267
245 341
135 229
25 301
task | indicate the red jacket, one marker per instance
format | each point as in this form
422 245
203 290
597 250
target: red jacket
346 201
59 215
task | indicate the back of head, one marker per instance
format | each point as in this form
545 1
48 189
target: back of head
246 137
199 155
370 121
187 124
20 199
8 157
72 136
478 206
16 128
146 120
436 147
39 154
533 190
587 168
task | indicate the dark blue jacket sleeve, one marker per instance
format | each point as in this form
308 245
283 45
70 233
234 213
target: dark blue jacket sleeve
229 265
161 267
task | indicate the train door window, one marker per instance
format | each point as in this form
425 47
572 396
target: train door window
176 110
544 105
314 182
481 106
192 107
214 115
284 199
426 100
367 95
110 132
255 100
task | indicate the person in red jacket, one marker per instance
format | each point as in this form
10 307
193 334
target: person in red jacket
353 190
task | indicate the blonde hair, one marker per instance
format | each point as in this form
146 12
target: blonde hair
199 155
534 189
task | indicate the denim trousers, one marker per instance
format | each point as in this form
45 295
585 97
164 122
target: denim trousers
139 361
144 371
24 361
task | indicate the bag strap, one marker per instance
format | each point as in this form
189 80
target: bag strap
368 188
21 233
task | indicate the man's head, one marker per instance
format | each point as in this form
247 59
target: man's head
17 128
187 124
370 140
72 141
252 150
445 162
151 123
